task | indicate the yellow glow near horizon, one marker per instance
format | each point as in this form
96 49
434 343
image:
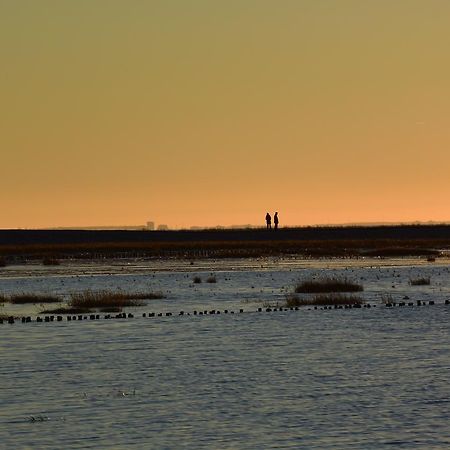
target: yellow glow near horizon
205 113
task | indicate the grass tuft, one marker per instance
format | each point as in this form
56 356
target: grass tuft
104 301
327 285
22 299
107 299
211 279
423 281
197 280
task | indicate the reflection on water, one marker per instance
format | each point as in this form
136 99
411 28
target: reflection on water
366 378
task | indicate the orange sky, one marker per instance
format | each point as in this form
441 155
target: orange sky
206 113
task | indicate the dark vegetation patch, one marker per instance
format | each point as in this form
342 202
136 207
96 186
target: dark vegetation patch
197 280
66 310
2 262
400 251
211 279
245 243
423 281
107 299
327 285
323 299
50 261
22 299
104 301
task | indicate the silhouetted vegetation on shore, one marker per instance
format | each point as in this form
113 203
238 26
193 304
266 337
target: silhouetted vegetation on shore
225 249
308 242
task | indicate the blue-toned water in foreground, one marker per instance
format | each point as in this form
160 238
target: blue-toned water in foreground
332 379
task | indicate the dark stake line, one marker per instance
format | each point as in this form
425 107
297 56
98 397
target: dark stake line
52 318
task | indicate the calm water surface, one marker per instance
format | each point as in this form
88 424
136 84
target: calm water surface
369 378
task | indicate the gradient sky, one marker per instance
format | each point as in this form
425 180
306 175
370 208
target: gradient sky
203 112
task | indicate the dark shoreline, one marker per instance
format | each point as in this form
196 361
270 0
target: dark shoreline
407 240
397 232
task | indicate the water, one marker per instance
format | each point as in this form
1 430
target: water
364 378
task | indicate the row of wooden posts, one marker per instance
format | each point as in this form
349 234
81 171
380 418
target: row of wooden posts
78 317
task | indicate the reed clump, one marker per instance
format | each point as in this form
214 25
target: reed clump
107 299
104 301
327 285
422 281
323 300
211 279
197 280
22 299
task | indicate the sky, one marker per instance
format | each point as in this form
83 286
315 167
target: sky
207 112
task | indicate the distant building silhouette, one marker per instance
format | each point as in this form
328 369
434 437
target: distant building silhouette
150 226
163 227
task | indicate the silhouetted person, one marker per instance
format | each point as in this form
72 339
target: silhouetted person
275 221
268 221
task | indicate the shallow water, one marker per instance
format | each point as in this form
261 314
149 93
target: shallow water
360 378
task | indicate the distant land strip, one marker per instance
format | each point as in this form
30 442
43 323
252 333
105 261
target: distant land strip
353 241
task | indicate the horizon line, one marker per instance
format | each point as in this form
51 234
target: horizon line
229 227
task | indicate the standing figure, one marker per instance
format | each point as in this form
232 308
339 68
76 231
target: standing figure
268 221
275 220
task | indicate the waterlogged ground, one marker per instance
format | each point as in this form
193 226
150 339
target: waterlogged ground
359 378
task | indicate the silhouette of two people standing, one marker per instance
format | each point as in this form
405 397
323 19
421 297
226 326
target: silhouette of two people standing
269 221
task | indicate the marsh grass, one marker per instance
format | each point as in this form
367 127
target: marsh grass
217 247
327 285
22 299
104 301
323 300
423 281
108 299
197 280
211 279
66 310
